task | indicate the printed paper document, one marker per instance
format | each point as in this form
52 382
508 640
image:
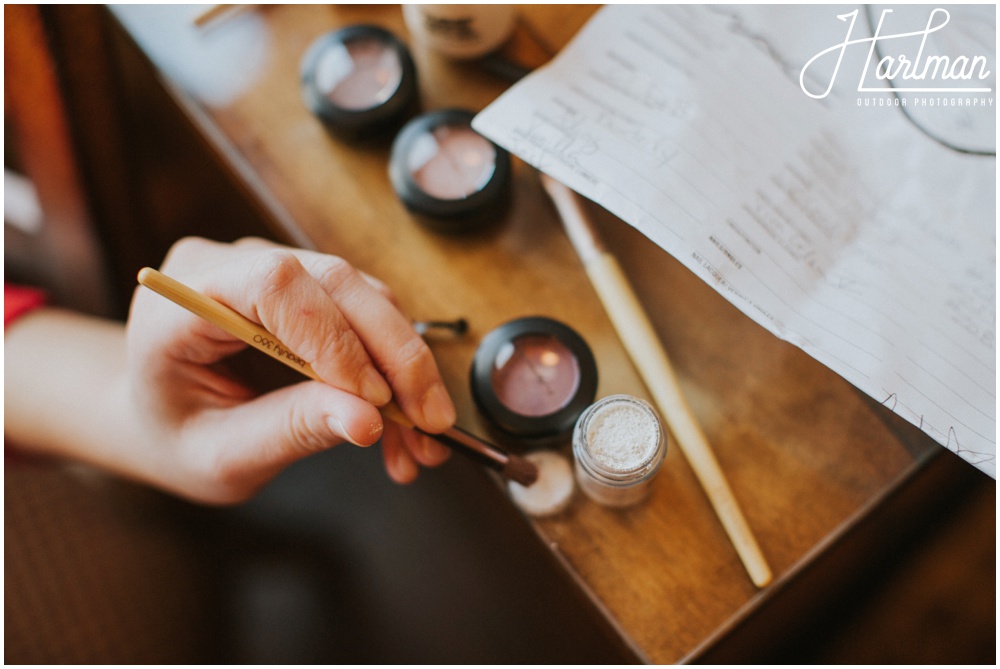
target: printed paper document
841 228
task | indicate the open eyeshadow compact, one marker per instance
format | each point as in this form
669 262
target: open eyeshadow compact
359 80
448 174
532 378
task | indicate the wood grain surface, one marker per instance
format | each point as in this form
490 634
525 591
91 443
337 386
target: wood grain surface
804 452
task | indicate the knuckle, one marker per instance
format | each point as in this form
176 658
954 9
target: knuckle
276 270
381 287
252 242
336 272
185 247
189 243
339 345
302 433
414 353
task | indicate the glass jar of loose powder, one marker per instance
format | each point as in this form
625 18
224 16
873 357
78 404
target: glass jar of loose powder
618 446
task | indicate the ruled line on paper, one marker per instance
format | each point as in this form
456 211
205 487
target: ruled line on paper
850 235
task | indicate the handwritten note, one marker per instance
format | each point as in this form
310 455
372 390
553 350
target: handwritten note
841 226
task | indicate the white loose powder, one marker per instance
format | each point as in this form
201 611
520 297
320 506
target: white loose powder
551 493
622 436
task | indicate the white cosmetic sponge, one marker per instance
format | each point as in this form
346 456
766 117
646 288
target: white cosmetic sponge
551 493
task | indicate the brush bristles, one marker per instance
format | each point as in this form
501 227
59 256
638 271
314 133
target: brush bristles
520 470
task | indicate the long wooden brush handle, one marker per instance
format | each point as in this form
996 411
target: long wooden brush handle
217 12
644 347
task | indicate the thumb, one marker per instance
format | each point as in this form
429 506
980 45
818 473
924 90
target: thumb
257 439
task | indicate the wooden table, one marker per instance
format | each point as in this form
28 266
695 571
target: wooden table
811 460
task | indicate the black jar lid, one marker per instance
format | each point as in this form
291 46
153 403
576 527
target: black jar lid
533 377
359 80
448 174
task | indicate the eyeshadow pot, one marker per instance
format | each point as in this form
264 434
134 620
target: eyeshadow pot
454 179
359 80
532 378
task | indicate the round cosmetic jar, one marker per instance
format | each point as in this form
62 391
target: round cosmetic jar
531 378
460 31
448 174
359 80
618 446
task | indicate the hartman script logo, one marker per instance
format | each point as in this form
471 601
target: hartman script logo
912 73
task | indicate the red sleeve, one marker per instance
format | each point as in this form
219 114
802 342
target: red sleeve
18 300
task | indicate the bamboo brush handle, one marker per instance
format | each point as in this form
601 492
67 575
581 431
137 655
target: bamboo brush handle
650 359
241 327
238 325
217 12
643 346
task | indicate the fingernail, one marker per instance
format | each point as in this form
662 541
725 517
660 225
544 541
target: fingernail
338 427
438 410
374 388
373 433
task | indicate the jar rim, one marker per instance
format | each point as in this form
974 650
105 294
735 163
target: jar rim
597 469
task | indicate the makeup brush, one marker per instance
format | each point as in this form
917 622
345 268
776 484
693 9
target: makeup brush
458 327
509 465
214 12
643 346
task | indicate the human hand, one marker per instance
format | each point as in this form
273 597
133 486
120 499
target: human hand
218 442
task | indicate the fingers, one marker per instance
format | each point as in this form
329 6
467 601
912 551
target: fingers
404 449
235 450
269 285
399 464
402 355
292 304
342 321
346 325
300 420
